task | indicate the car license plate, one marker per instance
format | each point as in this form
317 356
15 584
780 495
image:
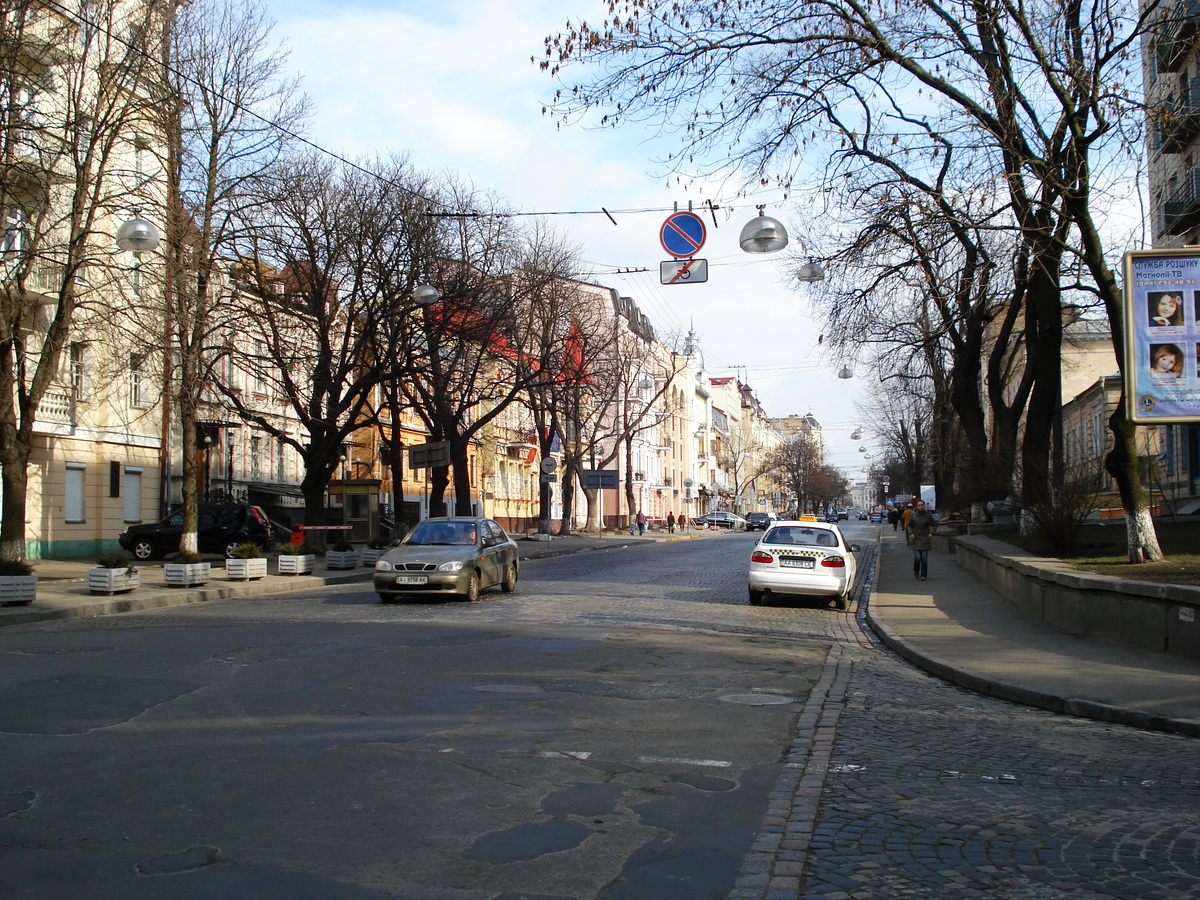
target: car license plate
797 563
412 579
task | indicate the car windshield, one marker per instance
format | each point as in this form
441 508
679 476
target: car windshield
796 534
443 533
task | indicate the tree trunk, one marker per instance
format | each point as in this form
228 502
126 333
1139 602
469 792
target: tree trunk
14 476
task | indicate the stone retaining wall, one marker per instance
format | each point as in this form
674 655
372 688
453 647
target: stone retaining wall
1143 613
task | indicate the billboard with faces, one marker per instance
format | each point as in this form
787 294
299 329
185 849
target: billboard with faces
1162 335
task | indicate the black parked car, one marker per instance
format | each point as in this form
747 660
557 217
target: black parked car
222 527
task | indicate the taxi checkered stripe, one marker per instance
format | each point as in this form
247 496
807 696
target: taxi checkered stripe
801 554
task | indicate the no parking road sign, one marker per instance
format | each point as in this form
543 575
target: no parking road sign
683 234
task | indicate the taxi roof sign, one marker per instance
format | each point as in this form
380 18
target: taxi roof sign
809 519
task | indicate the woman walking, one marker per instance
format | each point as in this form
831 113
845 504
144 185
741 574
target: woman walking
919 529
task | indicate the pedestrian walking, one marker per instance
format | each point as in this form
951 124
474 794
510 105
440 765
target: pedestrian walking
904 517
919 530
641 522
894 517
670 523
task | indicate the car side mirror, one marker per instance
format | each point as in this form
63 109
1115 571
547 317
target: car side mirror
855 548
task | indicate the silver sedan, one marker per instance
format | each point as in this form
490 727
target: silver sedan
458 555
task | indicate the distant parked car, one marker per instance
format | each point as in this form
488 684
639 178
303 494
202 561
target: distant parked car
723 519
222 527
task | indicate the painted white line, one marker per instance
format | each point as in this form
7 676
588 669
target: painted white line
565 754
711 763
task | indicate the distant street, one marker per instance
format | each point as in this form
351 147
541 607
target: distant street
625 726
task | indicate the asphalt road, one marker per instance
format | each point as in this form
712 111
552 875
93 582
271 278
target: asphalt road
624 726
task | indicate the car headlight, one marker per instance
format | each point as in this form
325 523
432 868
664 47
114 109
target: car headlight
383 565
452 566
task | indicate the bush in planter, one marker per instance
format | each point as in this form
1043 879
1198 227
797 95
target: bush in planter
185 569
341 555
18 584
295 559
246 562
15 567
112 573
115 560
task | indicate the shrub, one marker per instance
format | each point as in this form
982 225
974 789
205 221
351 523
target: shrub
377 544
293 549
342 546
247 550
114 560
187 557
15 567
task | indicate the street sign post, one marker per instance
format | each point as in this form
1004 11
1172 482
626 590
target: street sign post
602 479
429 456
683 271
683 234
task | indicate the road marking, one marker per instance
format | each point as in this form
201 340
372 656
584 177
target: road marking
711 763
565 754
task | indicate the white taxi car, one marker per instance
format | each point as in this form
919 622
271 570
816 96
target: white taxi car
803 557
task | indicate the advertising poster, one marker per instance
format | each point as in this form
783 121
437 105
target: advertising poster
1162 328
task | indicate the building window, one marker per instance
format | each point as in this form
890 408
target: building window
137 381
15 223
255 458
131 484
79 370
73 508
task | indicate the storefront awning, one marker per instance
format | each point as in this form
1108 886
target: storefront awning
275 490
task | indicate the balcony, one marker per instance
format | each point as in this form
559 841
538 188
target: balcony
1178 119
1181 210
1177 26
56 415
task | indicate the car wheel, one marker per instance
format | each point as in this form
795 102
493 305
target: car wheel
473 588
509 584
234 544
842 602
144 549
756 597
387 598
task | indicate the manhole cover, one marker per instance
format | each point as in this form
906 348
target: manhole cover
756 699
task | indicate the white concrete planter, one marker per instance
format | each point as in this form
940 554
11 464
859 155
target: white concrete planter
297 565
187 574
246 569
371 555
341 559
112 581
17 590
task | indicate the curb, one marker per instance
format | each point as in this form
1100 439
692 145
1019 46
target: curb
1015 693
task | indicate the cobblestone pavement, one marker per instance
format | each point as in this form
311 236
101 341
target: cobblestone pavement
901 785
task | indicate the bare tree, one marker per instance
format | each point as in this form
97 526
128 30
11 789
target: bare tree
325 283
231 112
76 97
1044 94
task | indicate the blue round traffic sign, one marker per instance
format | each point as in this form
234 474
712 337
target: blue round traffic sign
683 234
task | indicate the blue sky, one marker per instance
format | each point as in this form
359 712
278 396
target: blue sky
450 83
